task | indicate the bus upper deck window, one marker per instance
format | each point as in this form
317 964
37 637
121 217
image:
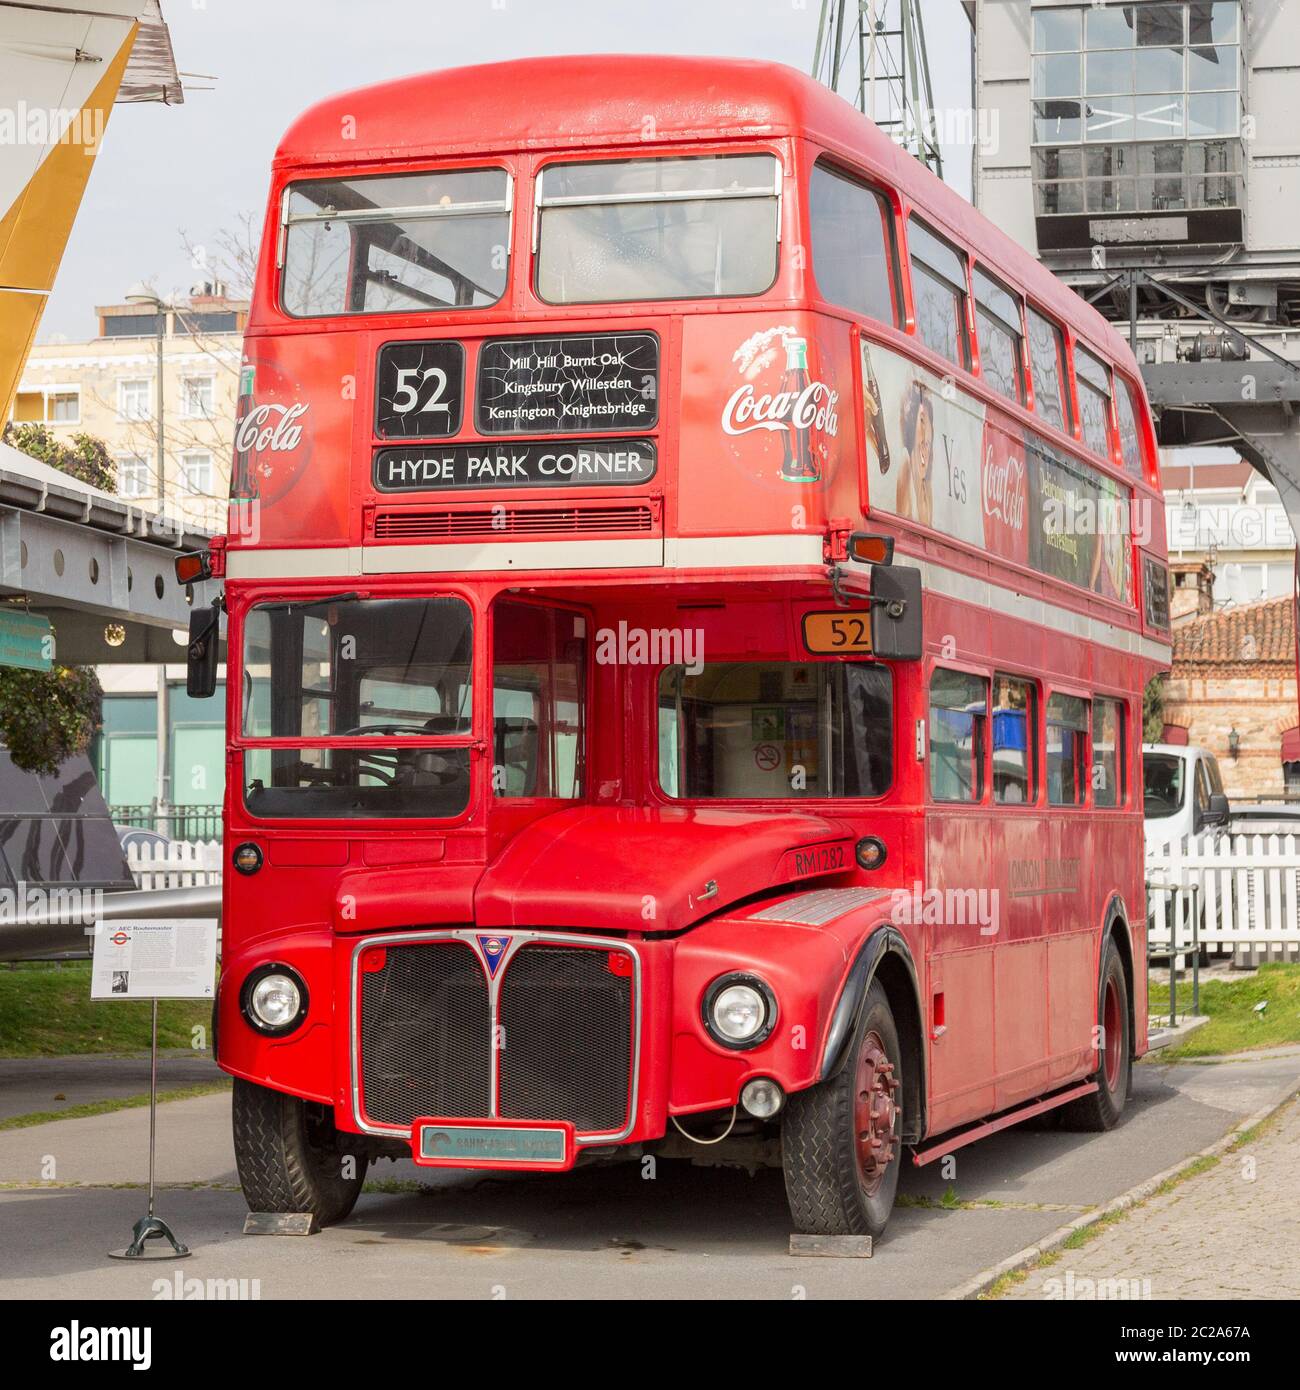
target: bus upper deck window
396 243
638 229
1046 360
1130 434
852 245
997 320
938 292
1093 380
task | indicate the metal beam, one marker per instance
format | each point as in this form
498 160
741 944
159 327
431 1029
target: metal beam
58 563
1219 383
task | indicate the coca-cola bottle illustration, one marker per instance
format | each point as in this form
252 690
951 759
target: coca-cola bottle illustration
876 411
799 462
243 477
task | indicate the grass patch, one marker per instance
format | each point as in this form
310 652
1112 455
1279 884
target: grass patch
1234 1025
106 1107
46 1011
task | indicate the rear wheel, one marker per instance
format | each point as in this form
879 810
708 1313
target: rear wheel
1101 1110
841 1143
290 1156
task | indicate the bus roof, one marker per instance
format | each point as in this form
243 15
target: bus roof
593 100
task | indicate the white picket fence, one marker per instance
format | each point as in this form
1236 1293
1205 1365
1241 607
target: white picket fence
177 864
1247 898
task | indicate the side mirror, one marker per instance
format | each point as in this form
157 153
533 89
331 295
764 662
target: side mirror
201 655
896 613
1217 811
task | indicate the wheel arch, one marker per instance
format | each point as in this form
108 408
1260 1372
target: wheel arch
884 956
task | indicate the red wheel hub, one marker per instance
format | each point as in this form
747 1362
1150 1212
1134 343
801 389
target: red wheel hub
875 1113
1112 1023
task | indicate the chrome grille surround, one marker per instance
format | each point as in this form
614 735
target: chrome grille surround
516 939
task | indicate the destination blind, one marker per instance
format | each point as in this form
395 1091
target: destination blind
522 463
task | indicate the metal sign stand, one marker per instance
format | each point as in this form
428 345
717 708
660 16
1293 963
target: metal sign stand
150 1226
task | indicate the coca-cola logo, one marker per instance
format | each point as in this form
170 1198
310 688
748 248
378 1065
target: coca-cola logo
812 408
1004 489
270 427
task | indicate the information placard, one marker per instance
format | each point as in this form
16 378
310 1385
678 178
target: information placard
588 383
155 958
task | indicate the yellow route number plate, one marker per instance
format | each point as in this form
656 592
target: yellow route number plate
837 634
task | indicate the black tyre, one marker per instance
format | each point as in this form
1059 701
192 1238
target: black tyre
1101 1110
291 1158
841 1141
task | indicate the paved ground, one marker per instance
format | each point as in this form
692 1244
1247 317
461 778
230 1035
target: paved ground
609 1232
40 1085
1230 1233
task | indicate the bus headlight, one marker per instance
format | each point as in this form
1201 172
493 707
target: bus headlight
274 999
739 1010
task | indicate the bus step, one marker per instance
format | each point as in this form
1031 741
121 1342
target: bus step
1004 1121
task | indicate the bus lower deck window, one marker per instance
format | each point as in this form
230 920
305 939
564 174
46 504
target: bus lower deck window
1109 770
1067 750
644 229
775 730
958 717
1015 740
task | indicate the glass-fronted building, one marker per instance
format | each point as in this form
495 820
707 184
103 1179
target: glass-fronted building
1137 115
126 759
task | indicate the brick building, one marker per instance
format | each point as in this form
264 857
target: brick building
1232 690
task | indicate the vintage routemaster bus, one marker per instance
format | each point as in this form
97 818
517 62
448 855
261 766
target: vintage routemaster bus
690 585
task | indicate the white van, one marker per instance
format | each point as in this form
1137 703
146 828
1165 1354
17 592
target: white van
1182 792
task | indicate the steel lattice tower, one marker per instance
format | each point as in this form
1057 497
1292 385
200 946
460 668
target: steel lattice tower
880 45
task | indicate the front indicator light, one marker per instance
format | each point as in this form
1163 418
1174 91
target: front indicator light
247 858
274 999
762 1098
739 1011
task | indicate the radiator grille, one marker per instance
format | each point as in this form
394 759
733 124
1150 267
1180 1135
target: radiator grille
567 1041
424 1034
565 1019
432 523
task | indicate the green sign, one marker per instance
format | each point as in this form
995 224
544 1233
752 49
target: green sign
26 640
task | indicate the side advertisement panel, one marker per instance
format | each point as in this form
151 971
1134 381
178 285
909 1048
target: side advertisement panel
939 457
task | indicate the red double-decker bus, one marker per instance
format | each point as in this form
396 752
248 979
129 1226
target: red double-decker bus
690 587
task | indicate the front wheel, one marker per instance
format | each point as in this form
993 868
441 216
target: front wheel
290 1156
841 1141
1101 1110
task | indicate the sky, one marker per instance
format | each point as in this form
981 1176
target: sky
168 177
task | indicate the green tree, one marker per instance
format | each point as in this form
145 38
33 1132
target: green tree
45 716
86 458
